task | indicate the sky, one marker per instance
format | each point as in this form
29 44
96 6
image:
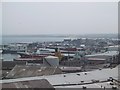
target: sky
34 18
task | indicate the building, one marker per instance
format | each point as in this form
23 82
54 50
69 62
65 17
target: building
112 48
110 56
96 61
28 84
93 79
20 71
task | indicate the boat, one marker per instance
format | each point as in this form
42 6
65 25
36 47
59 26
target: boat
40 53
14 48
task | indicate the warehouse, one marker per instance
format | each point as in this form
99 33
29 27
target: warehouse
73 79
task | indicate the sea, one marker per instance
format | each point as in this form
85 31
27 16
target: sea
7 39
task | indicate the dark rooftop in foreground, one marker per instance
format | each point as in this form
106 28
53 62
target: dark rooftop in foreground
20 71
8 65
42 83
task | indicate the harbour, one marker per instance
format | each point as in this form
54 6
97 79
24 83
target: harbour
70 52
59 45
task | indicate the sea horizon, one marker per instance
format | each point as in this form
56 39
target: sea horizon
6 39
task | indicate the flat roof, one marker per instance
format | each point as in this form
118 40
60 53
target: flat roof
101 59
108 53
94 85
52 57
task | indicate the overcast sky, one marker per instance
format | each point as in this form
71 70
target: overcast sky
59 18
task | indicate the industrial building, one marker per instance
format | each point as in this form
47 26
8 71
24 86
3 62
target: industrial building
32 84
101 78
32 71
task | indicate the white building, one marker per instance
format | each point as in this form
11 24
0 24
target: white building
51 61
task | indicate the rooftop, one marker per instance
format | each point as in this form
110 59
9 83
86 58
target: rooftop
96 59
43 83
53 57
93 85
20 71
108 53
73 78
